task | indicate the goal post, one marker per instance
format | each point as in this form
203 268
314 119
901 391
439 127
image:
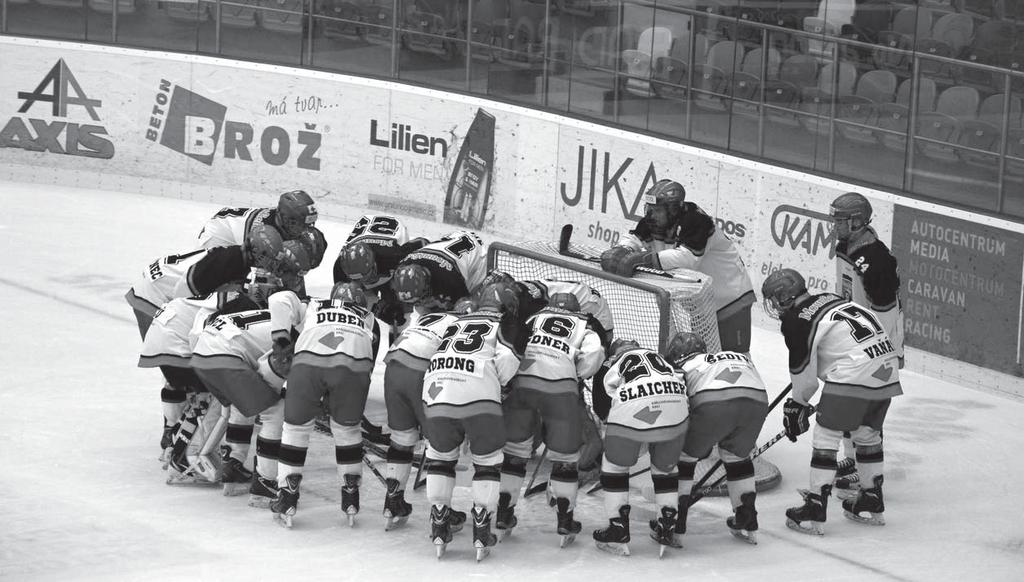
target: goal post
647 308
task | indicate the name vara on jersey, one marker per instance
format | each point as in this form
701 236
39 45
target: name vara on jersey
58 133
196 126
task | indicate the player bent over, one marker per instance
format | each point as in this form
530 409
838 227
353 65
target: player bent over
405 364
844 345
647 405
462 394
728 405
295 212
561 351
333 357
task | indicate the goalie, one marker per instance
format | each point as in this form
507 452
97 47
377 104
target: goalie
677 234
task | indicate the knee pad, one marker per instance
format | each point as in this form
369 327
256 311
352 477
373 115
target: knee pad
486 472
565 472
441 467
346 434
522 449
615 482
686 468
870 453
514 465
735 471
665 483
824 459
494 458
405 438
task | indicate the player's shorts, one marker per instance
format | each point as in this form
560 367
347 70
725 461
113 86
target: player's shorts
184 379
846 413
486 433
734 331
733 425
561 414
624 451
346 394
403 396
236 383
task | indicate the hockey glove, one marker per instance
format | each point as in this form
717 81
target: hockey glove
390 311
795 418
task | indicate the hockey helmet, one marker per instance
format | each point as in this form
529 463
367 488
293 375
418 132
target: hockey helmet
359 262
666 195
263 247
500 298
464 305
349 292
781 289
497 276
295 213
851 213
411 283
683 344
316 245
620 345
260 285
566 301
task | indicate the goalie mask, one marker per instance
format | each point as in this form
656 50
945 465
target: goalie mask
260 285
349 293
851 213
295 213
359 262
780 291
411 283
683 344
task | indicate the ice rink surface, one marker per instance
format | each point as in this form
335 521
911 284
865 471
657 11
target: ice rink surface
84 496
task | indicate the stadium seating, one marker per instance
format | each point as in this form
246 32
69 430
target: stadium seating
798 73
339 18
239 13
654 42
857 114
107 6
955 105
190 13
894 118
745 85
834 84
282 15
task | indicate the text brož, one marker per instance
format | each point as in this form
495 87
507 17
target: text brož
650 389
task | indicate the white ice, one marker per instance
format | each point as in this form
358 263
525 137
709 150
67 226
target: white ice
84 498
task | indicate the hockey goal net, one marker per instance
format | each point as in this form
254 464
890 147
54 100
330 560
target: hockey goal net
647 308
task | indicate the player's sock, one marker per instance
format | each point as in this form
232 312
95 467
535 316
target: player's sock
292 452
486 479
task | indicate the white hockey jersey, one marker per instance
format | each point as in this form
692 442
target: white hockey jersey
373 228
332 333
560 351
472 363
233 340
457 265
418 342
169 341
648 399
159 282
231 226
720 377
589 299
844 345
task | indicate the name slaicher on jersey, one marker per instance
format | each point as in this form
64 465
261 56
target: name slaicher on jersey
54 133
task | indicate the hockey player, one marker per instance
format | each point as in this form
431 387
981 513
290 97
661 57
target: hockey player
462 394
373 250
867 274
333 357
405 364
647 405
295 212
675 234
728 405
562 350
437 275
844 345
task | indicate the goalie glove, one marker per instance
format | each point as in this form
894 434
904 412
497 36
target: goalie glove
795 418
623 260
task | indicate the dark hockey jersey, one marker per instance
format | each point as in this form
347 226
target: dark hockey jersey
867 274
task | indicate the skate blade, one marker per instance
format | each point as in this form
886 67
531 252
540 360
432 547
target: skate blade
567 540
504 533
674 543
748 536
440 546
391 523
815 529
235 489
179 479
481 552
874 519
614 548
259 501
283 519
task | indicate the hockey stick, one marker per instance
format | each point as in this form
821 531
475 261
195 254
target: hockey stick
564 250
375 472
423 463
530 489
597 487
696 495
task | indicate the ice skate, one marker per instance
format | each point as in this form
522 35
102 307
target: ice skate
235 477
567 526
868 501
483 539
183 471
743 524
684 509
505 517
847 482
396 508
262 491
440 528
614 539
287 501
663 530
809 518
350 498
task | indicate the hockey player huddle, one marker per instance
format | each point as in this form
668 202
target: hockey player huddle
481 360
